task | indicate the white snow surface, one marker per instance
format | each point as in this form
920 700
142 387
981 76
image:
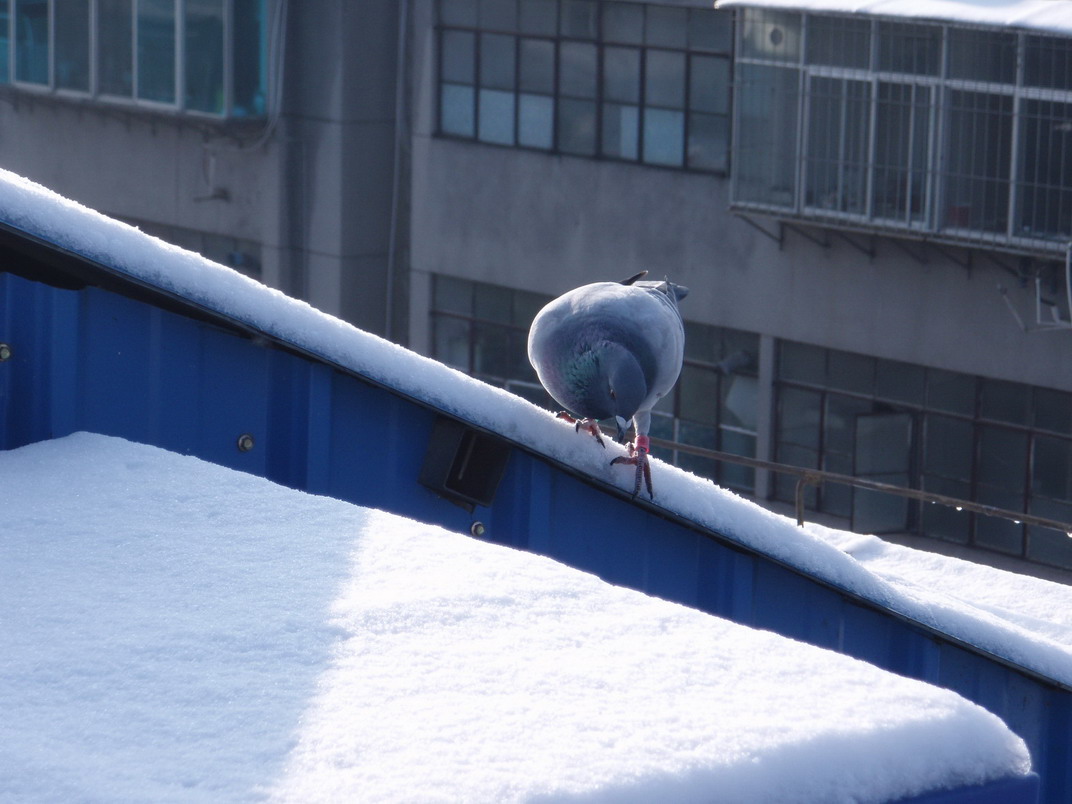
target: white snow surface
177 631
1020 619
1044 16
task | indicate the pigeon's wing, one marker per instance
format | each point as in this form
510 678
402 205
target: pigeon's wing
633 278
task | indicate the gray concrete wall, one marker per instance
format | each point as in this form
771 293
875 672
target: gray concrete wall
316 194
547 223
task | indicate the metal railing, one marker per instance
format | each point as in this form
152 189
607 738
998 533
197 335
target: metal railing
815 477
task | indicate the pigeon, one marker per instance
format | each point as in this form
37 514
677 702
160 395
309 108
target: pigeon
611 350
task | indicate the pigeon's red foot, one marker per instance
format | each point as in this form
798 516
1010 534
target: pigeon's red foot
591 425
638 456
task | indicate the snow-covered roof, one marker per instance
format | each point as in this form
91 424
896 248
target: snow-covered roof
176 631
1048 16
1022 620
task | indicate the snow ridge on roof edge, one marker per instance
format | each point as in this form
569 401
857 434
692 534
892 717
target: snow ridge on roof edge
43 214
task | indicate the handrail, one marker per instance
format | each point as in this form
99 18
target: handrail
814 477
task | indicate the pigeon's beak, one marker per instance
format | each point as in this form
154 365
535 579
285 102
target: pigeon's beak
623 428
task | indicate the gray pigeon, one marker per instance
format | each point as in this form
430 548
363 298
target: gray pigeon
611 350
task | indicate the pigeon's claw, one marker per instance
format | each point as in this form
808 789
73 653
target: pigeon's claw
591 425
638 456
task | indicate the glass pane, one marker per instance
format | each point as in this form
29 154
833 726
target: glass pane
5 43
1005 401
942 521
980 137
621 131
666 27
457 110
250 43
995 533
766 109
458 59
497 15
710 30
837 497
771 35
909 48
951 392
735 475
838 142
839 41
526 306
709 140
947 448
664 137
539 17
851 372
450 341
709 84
901 382
739 395
577 66
496 116
72 44
1046 545
491 351
1045 186
664 79
623 22
1048 62
799 417
156 50
497 61
579 19
698 395
203 64
536 121
492 302
537 66
621 74
977 55
1002 459
839 426
458 12
1053 410
802 363
577 126
1051 468
785 484
31 41
115 32
453 295
902 145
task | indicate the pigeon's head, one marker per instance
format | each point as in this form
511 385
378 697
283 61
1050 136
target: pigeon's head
612 385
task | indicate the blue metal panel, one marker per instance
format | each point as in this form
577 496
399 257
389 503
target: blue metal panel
96 361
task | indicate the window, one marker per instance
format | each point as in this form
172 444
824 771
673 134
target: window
617 80
922 127
998 443
482 329
206 56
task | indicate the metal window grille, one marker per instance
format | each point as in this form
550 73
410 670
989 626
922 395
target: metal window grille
959 133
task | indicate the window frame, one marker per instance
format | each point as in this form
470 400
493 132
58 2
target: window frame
1001 171
591 142
228 108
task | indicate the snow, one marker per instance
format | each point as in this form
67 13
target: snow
1045 16
1027 625
177 631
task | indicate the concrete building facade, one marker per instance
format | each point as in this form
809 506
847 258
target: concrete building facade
434 170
